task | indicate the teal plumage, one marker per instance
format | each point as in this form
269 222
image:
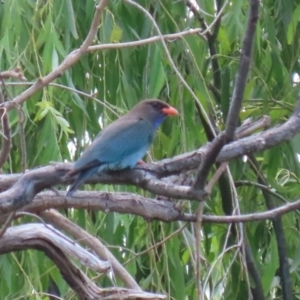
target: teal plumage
123 143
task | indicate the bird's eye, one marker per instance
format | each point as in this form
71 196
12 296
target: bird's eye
156 105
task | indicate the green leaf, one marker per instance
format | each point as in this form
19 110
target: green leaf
71 18
293 25
64 124
157 76
116 34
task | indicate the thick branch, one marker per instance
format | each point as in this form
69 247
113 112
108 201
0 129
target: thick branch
93 243
126 203
150 209
242 74
37 236
48 234
146 176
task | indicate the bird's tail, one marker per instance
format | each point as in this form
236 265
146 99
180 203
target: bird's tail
82 177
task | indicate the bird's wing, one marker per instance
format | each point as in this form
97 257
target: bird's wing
122 139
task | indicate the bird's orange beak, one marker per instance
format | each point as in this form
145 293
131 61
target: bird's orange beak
170 111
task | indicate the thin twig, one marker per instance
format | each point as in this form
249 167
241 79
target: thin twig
163 241
209 161
16 73
240 232
284 268
22 138
197 230
70 59
7 223
71 89
167 37
249 128
221 169
177 72
211 44
5 135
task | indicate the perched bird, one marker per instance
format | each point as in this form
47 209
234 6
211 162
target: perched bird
123 143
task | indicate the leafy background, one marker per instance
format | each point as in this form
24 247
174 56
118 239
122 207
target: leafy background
65 116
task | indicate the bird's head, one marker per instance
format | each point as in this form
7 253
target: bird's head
154 110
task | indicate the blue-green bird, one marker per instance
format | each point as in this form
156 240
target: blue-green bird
123 143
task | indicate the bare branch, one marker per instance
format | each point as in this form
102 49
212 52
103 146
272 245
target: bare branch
236 103
93 243
243 71
150 209
198 225
57 239
221 169
7 223
70 60
248 127
72 89
167 37
210 158
270 214
147 176
284 267
16 73
22 139
37 236
177 72
5 135
211 43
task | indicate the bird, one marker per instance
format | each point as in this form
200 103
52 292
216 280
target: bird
123 143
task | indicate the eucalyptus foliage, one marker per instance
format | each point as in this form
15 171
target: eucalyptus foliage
62 119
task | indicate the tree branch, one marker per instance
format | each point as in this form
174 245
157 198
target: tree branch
243 71
5 134
74 56
237 99
70 60
168 54
150 209
16 73
284 268
211 44
39 237
93 243
167 37
210 158
149 176
48 234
